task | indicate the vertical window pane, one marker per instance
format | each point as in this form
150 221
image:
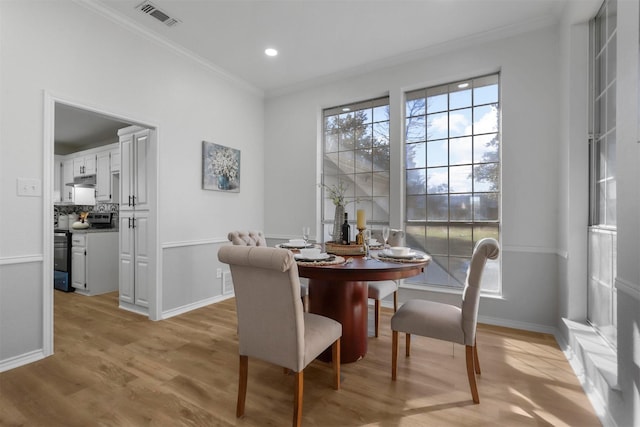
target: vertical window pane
356 155
437 126
486 177
462 172
437 180
437 239
416 208
415 131
437 153
460 179
485 94
416 156
485 148
460 99
438 207
460 122
485 119
437 103
461 151
416 181
486 207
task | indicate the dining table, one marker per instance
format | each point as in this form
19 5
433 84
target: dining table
339 291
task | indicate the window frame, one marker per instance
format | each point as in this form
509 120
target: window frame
356 197
422 282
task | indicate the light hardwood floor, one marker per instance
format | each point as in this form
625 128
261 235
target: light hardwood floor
115 368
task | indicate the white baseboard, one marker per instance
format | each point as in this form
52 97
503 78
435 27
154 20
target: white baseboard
23 359
199 304
514 324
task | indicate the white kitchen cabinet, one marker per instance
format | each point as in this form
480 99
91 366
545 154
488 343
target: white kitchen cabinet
57 179
115 160
84 165
103 176
135 258
134 172
94 262
136 231
67 177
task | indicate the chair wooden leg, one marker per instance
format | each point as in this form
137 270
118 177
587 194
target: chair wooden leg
305 303
297 400
335 355
377 316
476 361
471 374
394 354
242 385
407 351
395 301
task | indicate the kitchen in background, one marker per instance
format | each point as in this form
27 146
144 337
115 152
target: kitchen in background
86 201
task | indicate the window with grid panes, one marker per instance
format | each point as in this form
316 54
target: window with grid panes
602 296
452 177
356 155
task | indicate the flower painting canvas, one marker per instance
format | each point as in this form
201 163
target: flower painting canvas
220 167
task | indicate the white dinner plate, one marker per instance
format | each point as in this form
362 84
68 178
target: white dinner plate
320 257
410 255
290 246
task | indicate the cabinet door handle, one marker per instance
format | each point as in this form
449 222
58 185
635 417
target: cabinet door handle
129 222
129 204
134 222
134 200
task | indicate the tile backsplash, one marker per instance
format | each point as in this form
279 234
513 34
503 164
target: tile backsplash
99 207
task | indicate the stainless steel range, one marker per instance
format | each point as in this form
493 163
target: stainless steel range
62 260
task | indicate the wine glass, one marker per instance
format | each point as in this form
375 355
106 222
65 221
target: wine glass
366 234
305 233
385 235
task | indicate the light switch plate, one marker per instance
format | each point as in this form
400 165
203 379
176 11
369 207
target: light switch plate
29 187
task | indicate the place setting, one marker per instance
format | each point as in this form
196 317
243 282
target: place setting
299 243
315 256
401 254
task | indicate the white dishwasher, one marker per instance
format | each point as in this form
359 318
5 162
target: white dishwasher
94 262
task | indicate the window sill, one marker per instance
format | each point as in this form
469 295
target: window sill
593 360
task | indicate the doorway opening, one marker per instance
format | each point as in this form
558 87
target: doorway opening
74 132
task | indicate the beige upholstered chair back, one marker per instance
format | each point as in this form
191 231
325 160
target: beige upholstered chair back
247 238
396 237
270 313
485 249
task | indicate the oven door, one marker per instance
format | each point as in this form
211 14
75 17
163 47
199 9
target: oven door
61 252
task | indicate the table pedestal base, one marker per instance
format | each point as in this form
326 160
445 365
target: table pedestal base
345 302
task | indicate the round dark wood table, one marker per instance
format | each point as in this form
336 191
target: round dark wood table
339 291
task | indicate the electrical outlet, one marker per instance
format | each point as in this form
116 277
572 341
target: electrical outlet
29 187
218 273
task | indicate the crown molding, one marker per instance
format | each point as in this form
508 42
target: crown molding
127 23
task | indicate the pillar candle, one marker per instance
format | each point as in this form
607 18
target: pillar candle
362 222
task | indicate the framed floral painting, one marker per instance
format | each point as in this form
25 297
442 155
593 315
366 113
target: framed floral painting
220 168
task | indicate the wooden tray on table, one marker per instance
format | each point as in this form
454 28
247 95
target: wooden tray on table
340 249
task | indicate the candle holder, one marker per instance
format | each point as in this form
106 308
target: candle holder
360 236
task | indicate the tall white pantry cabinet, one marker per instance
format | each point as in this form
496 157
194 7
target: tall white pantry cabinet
136 249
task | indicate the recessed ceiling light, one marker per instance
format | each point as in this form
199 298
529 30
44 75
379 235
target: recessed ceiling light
270 52
463 85
345 109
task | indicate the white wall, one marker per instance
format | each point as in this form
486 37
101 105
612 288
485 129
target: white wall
74 52
529 65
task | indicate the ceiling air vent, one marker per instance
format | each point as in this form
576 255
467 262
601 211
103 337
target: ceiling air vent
150 9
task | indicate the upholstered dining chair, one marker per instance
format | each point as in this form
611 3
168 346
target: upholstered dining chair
448 322
256 238
380 290
272 325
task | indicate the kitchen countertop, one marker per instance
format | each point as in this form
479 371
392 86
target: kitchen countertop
93 230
